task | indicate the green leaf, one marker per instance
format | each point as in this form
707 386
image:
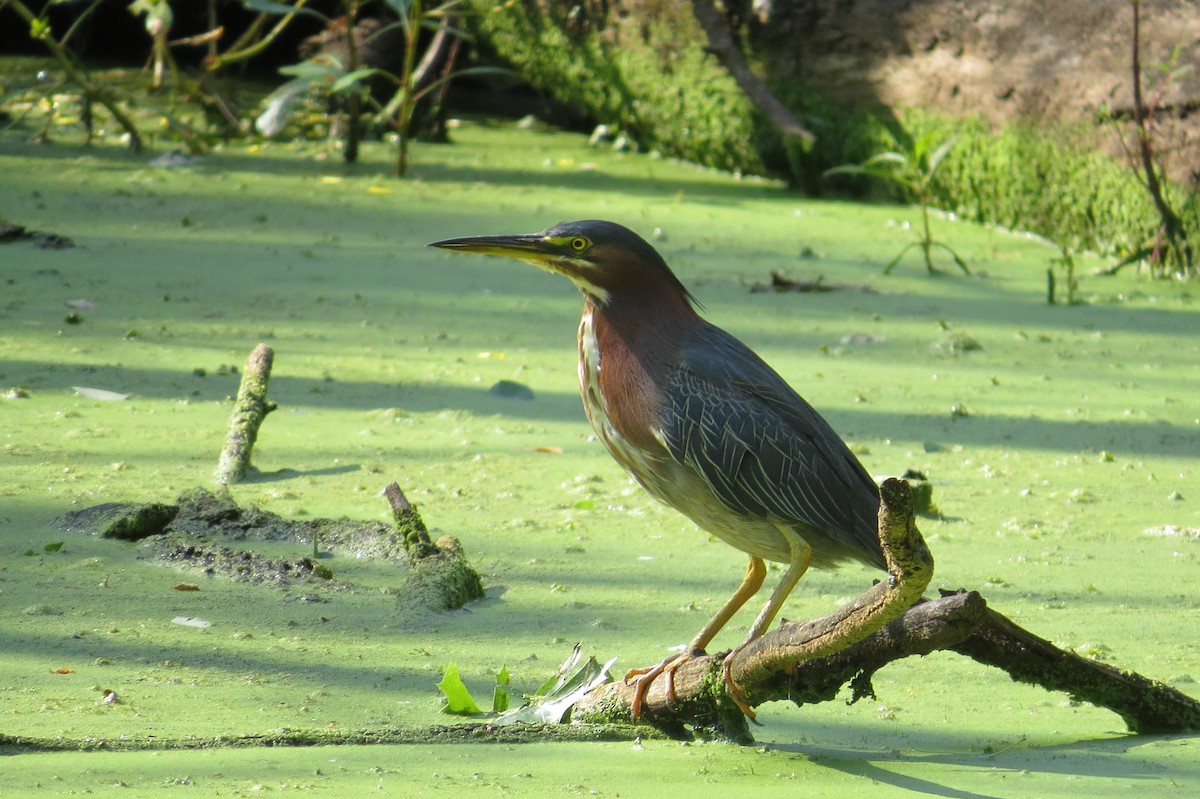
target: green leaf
895 167
321 68
459 701
845 169
398 7
499 700
500 694
471 71
920 145
385 30
281 9
935 160
54 547
354 80
279 105
940 152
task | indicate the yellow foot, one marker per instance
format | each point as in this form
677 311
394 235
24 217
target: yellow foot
735 692
644 677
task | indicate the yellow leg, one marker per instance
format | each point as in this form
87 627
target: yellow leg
801 557
756 572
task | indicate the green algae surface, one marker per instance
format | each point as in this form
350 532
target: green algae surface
1061 449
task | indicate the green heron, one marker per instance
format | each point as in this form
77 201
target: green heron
702 423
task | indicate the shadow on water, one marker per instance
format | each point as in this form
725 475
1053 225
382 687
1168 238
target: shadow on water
1102 758
704 185
979 301
1134 437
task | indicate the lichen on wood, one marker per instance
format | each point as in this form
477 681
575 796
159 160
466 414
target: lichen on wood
440 574
249 410
1146 706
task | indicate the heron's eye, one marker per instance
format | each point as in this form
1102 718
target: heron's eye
579 244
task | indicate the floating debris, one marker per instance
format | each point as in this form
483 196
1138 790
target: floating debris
1172 531
781 284
957 343
860 339
104 395
174 159
511 389
10 233
189 621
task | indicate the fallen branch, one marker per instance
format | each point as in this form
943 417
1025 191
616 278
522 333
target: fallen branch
910 568
781 283
1146 706
249 410
811 662
701 699
332 735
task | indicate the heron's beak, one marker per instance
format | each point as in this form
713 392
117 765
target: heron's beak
530 247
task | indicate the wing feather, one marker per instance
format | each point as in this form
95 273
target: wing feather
762 449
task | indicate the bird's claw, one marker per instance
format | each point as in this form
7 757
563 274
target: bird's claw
645 676
733 689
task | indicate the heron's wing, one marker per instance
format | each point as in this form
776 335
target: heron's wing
762 448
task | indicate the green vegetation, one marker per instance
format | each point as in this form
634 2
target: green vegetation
200 108
914 172
1076 460
1048 181
657 84
651 81
646 75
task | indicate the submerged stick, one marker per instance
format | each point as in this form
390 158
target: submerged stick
249 410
